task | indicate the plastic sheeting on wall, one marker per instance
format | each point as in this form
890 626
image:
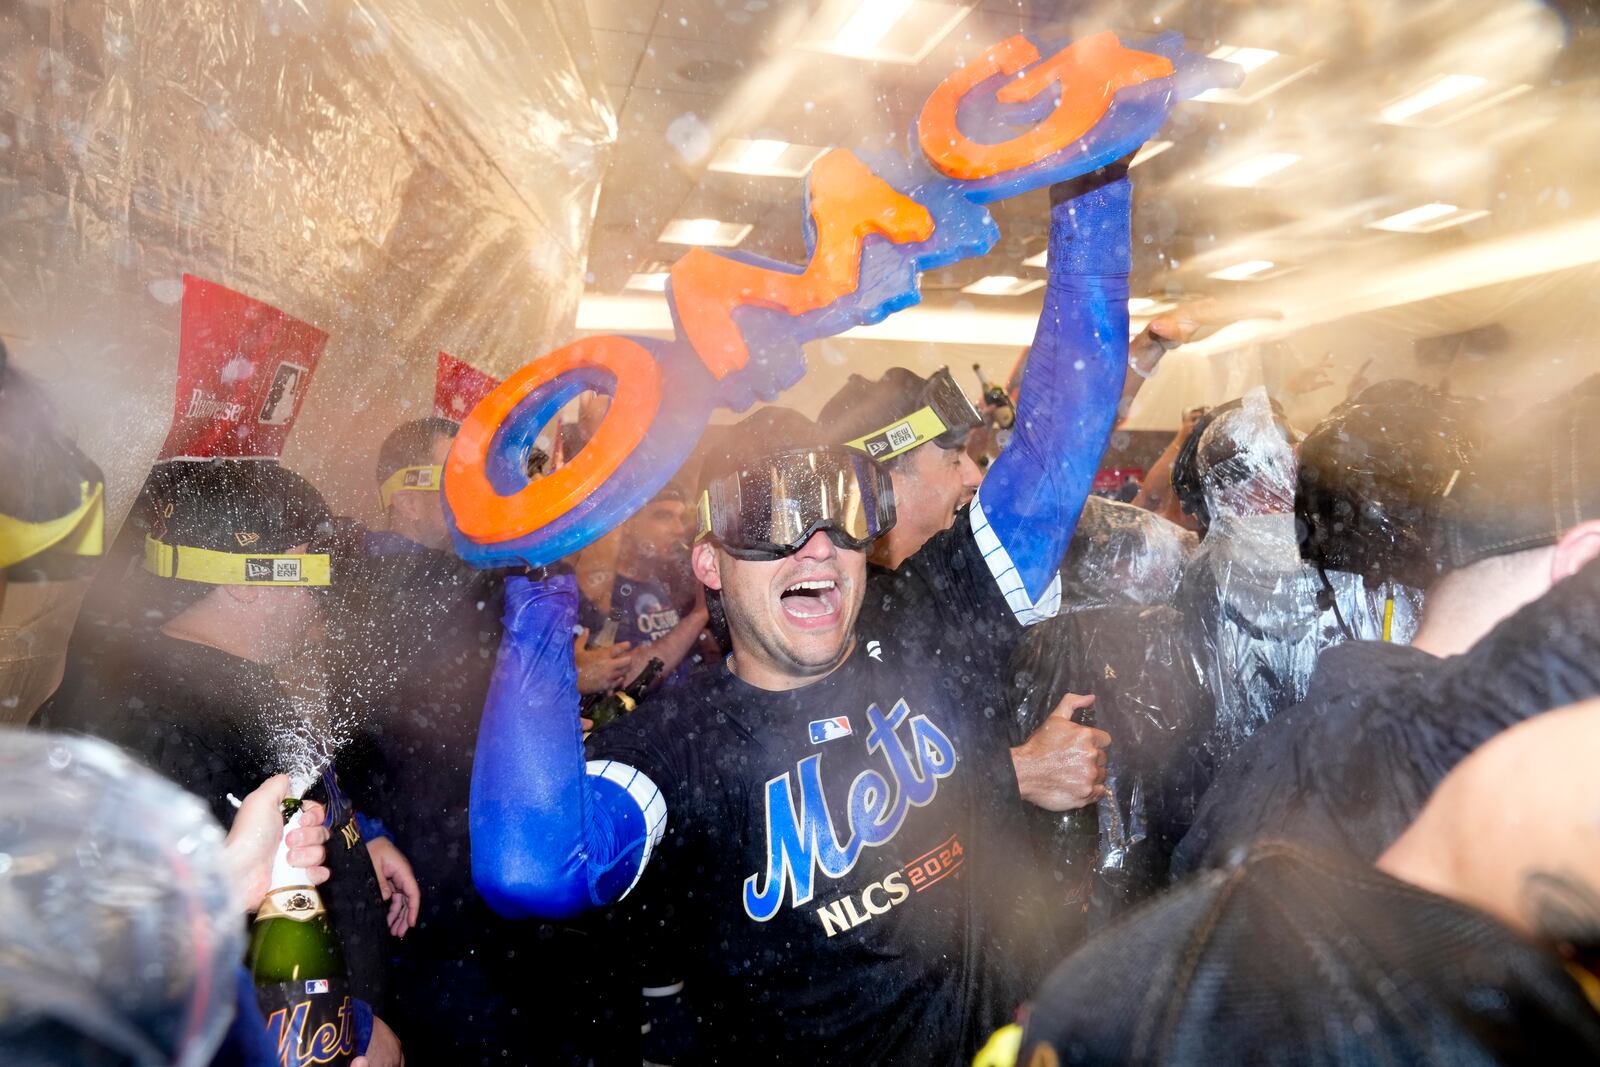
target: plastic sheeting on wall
405 175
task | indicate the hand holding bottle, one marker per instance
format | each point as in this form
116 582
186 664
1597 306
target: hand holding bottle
253 840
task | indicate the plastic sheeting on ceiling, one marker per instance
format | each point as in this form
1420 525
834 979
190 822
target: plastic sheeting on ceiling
405 175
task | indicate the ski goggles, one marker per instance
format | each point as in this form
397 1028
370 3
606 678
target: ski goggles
770 511
191 564
80 532
945 416
423 479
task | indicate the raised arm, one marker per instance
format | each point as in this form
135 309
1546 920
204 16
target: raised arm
1025 512
552 835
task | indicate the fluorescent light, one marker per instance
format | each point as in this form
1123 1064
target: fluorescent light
1038 259
883 31
652 281
1249 58
705 232
1265 72
1003 285
767 158
1241 271
1148 306
608 313
1149 151
871 22
1444 88
1252 171
1426 219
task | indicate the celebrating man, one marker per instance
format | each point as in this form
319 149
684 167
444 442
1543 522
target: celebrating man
824 818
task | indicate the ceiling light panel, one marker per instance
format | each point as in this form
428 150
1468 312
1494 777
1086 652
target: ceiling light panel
1249 269
883 31
1265 72
1253 171
1147 306
1426 218
1148 151
650 281
1037 259
1447 98
712 232
1003 285
765 158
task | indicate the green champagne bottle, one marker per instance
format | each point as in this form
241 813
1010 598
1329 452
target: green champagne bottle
298 967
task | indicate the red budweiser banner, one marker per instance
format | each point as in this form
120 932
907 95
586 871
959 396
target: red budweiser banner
458 386
243 370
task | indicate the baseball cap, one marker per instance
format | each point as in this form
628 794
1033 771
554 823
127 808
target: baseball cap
898 412
1372 482
51 494
1293 958
202 512
1533 480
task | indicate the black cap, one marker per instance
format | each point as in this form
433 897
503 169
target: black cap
1286 957
44 471
1533 481
1372 482
863 406
233 505
762 433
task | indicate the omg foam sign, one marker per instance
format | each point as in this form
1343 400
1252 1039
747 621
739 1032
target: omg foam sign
1023 115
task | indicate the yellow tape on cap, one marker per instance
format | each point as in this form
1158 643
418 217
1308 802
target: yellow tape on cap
190 564
901 436
425 479
80 532
704 515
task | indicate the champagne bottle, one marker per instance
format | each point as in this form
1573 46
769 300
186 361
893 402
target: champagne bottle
627 698
298 967
1000 412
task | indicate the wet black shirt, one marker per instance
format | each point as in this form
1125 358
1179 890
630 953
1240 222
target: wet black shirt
830 855
213 723
1350 767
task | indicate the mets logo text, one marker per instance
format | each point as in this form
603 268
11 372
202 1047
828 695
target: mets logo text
800 833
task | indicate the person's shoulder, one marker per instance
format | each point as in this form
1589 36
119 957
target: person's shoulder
671 724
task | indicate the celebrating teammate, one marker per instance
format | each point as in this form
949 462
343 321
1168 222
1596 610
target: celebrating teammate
823 818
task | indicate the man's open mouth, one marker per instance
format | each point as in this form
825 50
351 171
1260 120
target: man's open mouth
811 601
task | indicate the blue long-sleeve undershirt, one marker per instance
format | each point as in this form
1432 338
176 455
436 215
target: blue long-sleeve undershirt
553 836
1073 378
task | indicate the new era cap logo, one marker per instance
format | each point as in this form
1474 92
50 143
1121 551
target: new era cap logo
901 436
272 570
830 729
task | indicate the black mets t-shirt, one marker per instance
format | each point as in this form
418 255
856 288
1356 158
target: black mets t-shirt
829 865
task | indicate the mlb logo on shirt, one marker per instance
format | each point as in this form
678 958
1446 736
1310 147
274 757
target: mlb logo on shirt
830 729
316 985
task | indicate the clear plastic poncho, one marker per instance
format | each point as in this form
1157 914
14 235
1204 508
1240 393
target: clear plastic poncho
1259 614
120 941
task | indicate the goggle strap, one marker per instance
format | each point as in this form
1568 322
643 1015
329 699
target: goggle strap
703 514
211 567
901 435
426 478
80 532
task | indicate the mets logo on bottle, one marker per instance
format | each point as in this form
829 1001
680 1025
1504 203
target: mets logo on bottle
331 1037
800 833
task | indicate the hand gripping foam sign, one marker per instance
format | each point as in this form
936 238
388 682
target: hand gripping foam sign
1024 115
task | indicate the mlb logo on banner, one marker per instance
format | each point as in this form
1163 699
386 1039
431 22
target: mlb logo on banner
830 729
316 985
